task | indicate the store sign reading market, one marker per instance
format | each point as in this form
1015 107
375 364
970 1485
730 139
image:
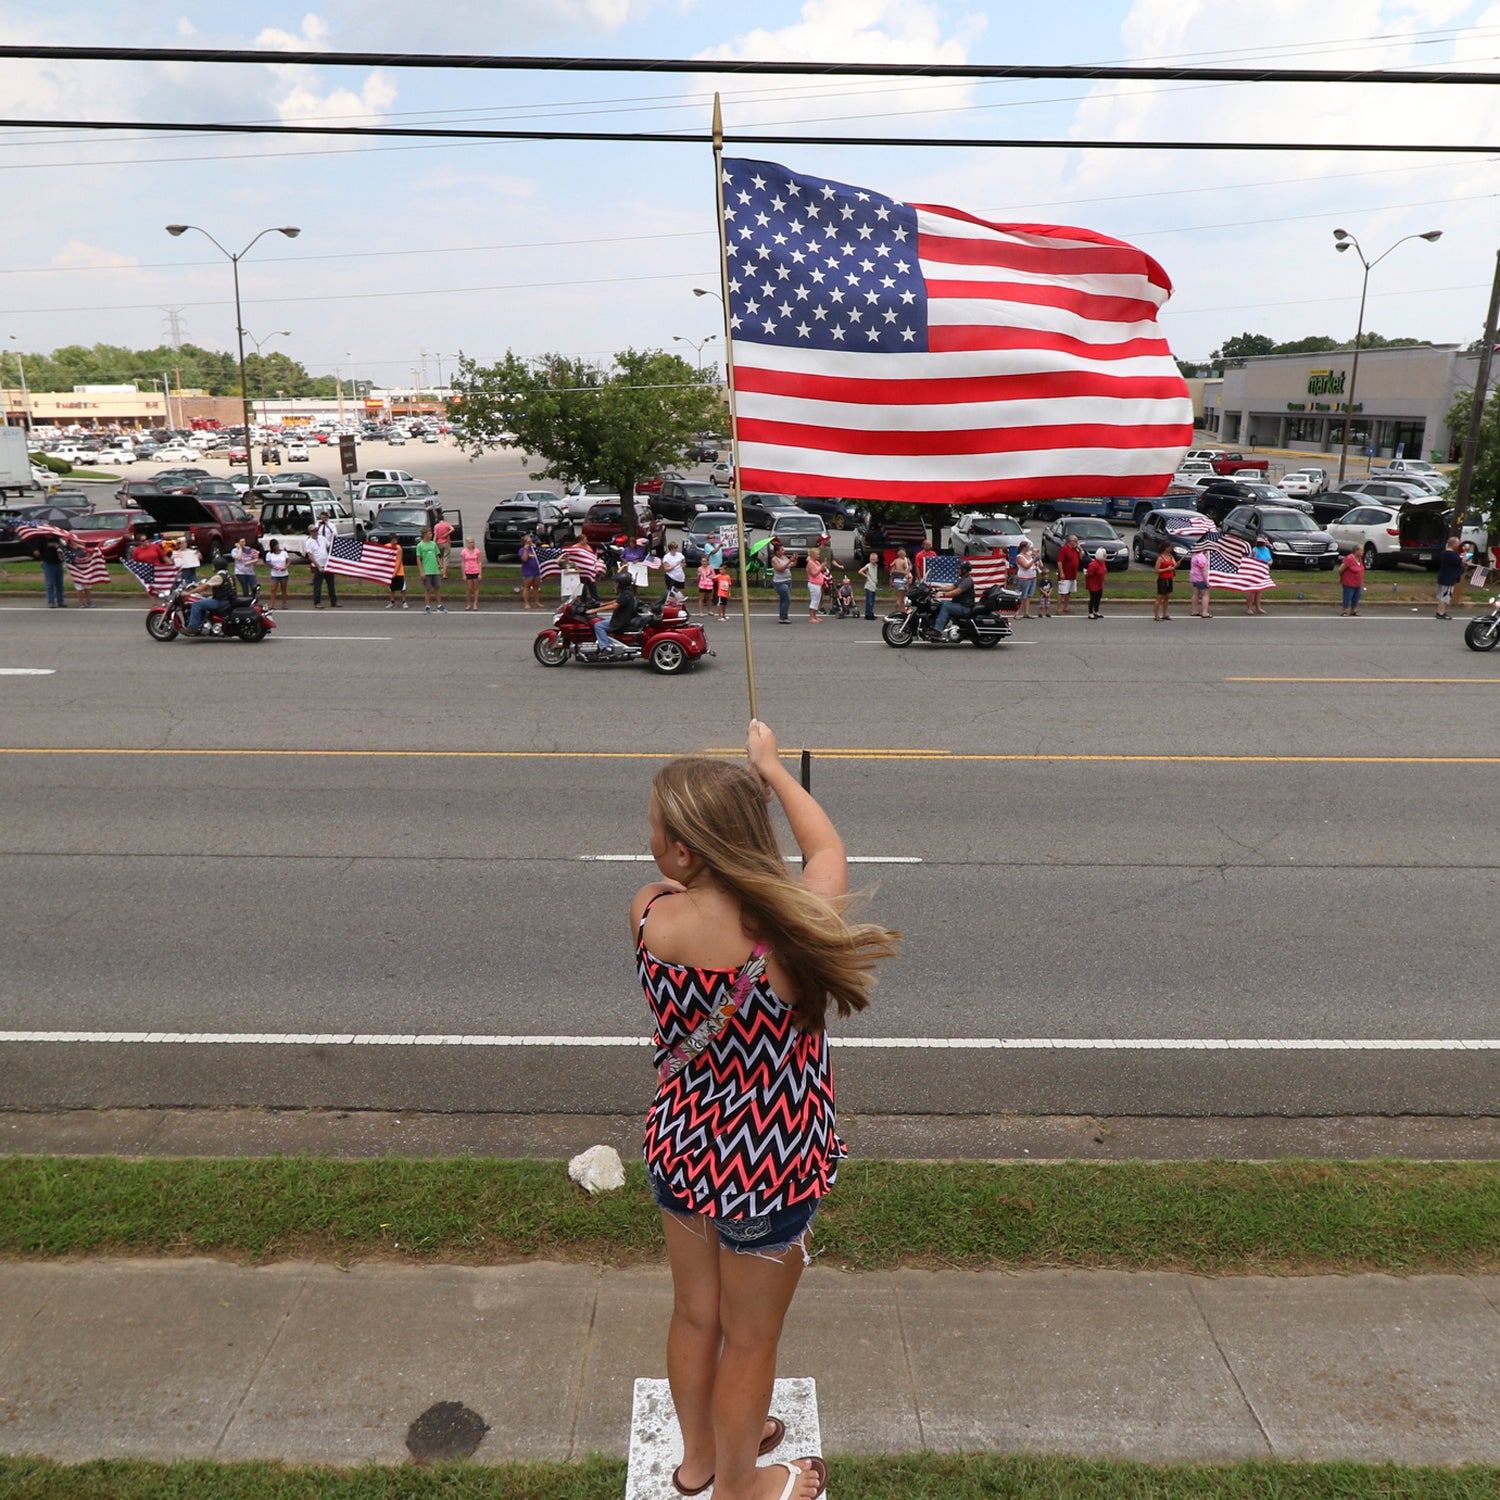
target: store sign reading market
1325 383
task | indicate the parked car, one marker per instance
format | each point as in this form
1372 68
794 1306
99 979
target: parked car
1217 497
296 453
373 495
164 479
723 469
705 525
538 513
207 489
761 509
797 531
1304 482
112 457
1395 490
213 526
1169 527
682 499
404 523
1294 538
605 522
130 488
111 531
396 438
396 476
881 537
287 514
977 532
239 454
581 498
1092 534
653 485
1387 535
837 515
291 479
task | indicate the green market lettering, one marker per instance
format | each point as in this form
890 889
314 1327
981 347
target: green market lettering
1325 383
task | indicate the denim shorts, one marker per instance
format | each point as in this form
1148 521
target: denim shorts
768 1234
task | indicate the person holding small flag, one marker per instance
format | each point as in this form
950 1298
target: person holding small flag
279 563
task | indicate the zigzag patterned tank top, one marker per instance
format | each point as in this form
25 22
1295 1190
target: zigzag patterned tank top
747 1128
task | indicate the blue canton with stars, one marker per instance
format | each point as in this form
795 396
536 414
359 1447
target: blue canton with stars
819 265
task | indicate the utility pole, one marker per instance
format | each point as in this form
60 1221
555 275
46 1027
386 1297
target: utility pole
1476 413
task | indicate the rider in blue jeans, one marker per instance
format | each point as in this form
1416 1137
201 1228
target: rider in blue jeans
959 601
220 597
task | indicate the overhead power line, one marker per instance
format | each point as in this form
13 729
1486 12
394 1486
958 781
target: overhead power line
479 62
702 137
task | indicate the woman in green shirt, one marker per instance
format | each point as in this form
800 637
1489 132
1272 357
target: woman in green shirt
430 567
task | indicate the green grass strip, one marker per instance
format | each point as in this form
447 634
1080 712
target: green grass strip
920 1476
1213 1217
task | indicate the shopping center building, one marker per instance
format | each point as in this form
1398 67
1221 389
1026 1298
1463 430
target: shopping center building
1398 405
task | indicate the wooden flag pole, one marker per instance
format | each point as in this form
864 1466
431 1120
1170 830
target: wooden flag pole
743 546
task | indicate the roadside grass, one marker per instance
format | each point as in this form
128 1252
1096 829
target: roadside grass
916 1476
1285 1217
501 585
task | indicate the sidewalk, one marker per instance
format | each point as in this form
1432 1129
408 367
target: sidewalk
310 1363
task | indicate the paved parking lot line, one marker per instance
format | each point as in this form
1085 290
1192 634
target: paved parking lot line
1463 681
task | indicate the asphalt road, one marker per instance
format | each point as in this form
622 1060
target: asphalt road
1269 831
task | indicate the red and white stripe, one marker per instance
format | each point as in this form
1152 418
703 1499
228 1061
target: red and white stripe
1047 376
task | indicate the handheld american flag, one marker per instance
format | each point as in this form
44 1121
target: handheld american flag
583 560
1230 565
356 559
549 559
86 566
893 351
155 578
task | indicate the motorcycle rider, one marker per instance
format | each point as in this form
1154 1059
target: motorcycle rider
216 602
958 602
621 618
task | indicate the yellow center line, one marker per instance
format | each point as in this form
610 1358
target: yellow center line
1468 681
887 755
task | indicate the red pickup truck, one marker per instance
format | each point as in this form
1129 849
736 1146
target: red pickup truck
213 526
1225 462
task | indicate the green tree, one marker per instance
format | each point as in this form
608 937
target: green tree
1317 343
1484 488
583 422
1244 346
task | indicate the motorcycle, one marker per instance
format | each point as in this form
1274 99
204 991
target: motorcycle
660 636
1482 633
987 626
244 619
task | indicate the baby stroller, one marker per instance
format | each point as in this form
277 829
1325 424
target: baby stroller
841 601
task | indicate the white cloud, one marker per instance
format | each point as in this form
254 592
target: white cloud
314 34
848 31
79 253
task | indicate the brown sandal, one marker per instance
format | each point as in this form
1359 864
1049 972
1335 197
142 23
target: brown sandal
768 1444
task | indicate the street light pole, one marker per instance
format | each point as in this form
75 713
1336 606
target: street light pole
280 333
696 345
25 394
1342 240
291 232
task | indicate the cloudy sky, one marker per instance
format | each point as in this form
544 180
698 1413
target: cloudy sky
588 248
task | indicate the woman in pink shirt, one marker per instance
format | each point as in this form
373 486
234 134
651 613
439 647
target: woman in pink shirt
1198 577
472 563
817 576
442 534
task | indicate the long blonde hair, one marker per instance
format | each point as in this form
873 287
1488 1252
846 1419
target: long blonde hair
718 809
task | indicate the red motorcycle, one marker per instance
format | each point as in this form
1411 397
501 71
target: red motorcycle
661 637
242 619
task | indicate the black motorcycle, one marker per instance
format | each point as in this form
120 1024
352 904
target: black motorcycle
988 625
240 619
1482 633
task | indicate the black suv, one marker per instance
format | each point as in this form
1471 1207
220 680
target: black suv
406 523
837 515
1179 529
682 499
513 520
1294 538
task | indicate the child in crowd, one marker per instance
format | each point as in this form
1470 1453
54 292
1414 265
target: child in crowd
472 564
245 557
1044 592
398 581
846 595
278 562
707 579
722 584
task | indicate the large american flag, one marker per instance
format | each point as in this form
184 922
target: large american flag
372 560
1189 526
155 578
1230 565
892 351
85 565
941 570
28 532
582 559
550 561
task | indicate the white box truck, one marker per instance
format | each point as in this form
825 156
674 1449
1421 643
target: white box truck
15 462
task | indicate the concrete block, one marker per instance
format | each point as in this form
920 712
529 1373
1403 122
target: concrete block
1375 1368
365 1356
1092 1363
656 1439
25 1287
139 1359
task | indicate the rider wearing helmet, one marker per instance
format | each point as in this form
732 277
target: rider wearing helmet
622 617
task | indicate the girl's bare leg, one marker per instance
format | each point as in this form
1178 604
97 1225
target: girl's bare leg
693 1339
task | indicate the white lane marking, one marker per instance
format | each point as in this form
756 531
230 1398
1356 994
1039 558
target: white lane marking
332 637
853 859
27 671
872 1044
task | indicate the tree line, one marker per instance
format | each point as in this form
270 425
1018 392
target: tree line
190 367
